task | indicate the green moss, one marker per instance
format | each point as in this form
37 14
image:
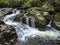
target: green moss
6 2
32 11
27 3
57 17
47 17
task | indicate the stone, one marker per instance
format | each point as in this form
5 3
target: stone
45 13
57 21
3 27
4 11
39 19
7 35
17 17
47 17
47 7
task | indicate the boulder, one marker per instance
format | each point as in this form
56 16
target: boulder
4 11
39 19
47 16
19 16
57 21
47 7
7 35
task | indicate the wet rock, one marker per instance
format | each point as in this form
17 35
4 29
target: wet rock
39 19
33 10
18 17
3 27
4 11
7 35
45 13
47 17
57 21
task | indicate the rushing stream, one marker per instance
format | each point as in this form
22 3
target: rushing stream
24 31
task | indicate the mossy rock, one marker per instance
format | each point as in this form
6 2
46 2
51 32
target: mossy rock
36 13
47 17
47 7
33 10
57 21
16 3
57 17
7 35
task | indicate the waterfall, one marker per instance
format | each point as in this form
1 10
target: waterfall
52 18
21 20
49 25
23 31
27 19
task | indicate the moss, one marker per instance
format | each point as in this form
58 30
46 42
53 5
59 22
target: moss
39 19
57 17
32 11
47 17
56 23
27 3
6 2
0 44
57 2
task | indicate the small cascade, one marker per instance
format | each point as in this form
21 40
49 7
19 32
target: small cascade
32 22
24 31
21 20
49 24
27 19
9 18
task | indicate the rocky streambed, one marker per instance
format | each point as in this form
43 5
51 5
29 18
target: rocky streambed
8 34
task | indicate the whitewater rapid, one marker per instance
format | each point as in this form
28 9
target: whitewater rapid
24 31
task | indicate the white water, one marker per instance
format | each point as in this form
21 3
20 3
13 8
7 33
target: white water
32 23
27 19
49 25
24 31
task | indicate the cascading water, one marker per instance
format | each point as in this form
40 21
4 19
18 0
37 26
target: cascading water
32 22
24 31
49 24
27 19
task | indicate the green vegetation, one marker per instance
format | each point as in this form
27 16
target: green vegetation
25 2
9 2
